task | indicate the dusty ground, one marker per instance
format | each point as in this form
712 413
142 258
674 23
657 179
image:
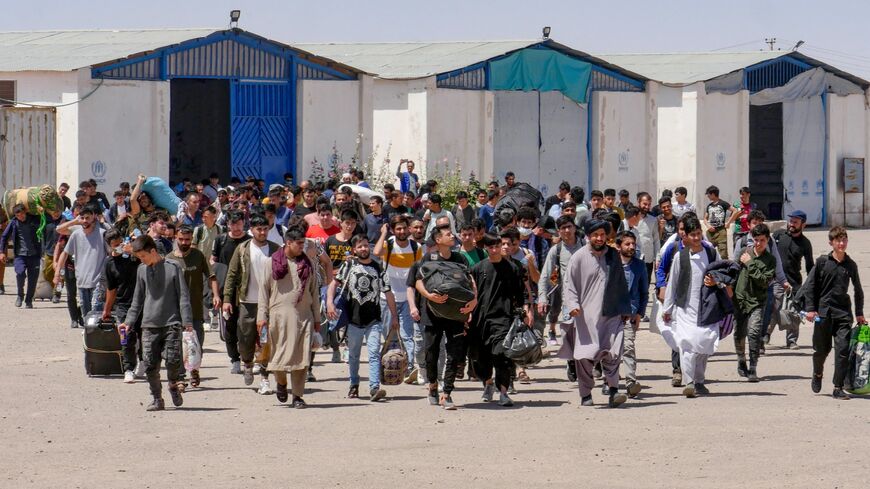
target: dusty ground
62 429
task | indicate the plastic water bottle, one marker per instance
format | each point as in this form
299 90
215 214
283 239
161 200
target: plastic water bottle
126 242
123 333
264 334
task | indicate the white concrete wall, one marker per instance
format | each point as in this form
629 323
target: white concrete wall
723 144
620 142
847 138
53 88
459 124
676 130
124 125
328 119
399 122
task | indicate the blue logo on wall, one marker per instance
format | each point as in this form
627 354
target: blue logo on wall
98 170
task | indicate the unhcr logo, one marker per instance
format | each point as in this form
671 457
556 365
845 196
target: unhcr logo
98 171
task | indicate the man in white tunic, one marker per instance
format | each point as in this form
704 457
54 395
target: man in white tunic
596 297
681 308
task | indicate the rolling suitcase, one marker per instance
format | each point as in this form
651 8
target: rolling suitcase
102 346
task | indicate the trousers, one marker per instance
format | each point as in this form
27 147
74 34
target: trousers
160 344
27 270
827 332
487 362
455 351
585 380
751 326
297 380
247 331
629 356
694 366
775 299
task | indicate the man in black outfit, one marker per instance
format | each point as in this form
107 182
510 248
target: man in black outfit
794 248
119 273
435 328
829 308
501 295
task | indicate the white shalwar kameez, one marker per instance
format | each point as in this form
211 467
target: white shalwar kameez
695 342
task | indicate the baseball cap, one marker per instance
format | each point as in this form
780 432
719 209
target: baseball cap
800 215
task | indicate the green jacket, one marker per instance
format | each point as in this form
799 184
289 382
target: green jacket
238 272
754 279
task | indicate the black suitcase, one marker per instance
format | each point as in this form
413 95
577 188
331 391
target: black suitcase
102 346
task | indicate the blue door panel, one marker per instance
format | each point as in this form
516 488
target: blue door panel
261 130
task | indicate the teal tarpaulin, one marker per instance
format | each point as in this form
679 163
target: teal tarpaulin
543 70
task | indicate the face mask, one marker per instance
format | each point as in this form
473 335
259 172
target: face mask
524 232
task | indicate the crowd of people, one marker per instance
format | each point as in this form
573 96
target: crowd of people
288 269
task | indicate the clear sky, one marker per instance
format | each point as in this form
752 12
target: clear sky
834 31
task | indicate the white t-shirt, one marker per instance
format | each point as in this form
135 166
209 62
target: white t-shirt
259 260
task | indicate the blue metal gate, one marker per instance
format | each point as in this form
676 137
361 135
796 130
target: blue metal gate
261 129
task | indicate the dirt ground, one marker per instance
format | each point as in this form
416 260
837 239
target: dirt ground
61 429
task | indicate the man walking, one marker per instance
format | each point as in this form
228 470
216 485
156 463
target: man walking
22 230
794 248
162 298
758 270
221 254
830 310
120 276
638 293
596 300
87 247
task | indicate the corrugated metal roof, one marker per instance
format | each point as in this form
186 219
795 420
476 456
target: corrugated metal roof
407 60
71 50
687 68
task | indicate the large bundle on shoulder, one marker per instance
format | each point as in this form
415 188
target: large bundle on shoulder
450 279
162 196
520 195
36 200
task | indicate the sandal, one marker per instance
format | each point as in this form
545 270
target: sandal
194 378
523 377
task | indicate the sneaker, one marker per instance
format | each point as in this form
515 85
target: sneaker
345 356
793 346
701 389
265 389
73 324
156 405
376 394
816 383
55 299
505 401
249 375
840 395
753 376
336 356
257 368
236 368
175 392
677 379
742 369
605 390
448 403
511 388
689 390
433 397
766 339
412 376
28 305
488 392
140 370
616 398
129 378
281 392
311 377
633 388
571 372
551 339
353 392
298 403
586 401
18 301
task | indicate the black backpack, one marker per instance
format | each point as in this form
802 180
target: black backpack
452 279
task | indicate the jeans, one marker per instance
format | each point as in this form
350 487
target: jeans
372 335
132 351
154 342
71 294
749 325
86 297
406 326
838 332
27 269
